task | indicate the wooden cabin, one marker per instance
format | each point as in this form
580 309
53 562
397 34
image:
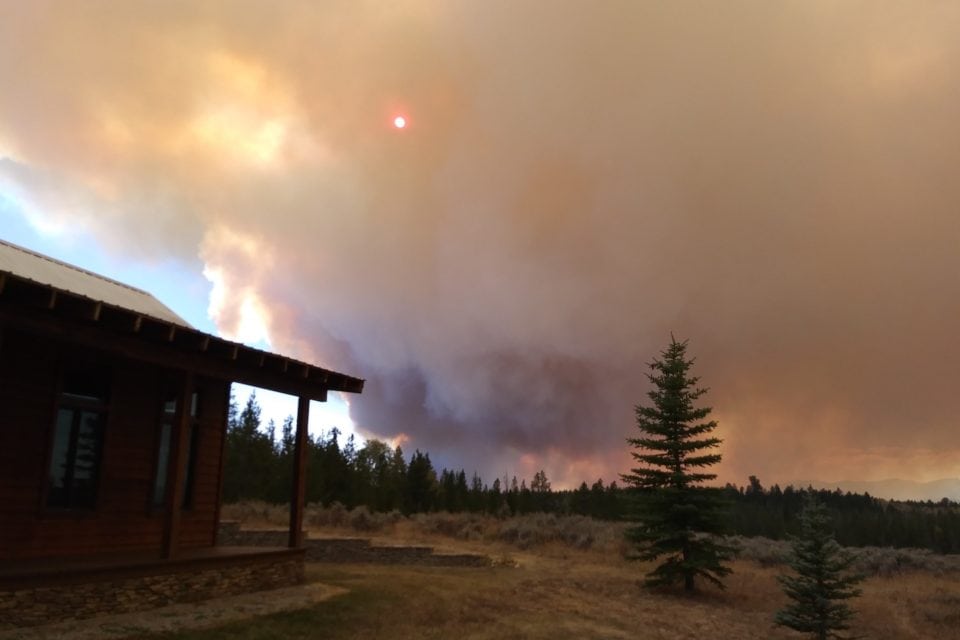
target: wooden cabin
113 417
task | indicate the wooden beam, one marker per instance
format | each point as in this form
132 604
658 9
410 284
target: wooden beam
171 333
298 492
204 343
176 471
3 281
95 312
52 300
137 324
224 425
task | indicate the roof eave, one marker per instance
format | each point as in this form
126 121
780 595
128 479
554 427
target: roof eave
27 302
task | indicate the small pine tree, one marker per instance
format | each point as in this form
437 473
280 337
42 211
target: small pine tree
678 518
823 579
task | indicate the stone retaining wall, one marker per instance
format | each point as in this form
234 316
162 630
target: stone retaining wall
230 534
345 550
45 604
361 550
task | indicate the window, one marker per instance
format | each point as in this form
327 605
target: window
78 439
167 418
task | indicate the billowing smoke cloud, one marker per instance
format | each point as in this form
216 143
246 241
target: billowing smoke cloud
774 181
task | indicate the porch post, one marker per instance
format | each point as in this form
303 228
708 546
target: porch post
299 490
176 468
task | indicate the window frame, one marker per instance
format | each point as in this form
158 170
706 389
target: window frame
193 427
154 507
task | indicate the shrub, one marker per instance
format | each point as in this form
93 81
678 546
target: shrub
257 512
334 516
361 519
763 551
886 561
875 561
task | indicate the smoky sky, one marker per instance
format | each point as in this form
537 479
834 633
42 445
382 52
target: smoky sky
776 182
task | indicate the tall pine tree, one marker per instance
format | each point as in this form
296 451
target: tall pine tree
678 518
823 579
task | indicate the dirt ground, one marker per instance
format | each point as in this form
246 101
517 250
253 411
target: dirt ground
559 593
181 617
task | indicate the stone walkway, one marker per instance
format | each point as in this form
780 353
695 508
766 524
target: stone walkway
208 613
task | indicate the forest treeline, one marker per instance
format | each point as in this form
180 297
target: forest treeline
259 466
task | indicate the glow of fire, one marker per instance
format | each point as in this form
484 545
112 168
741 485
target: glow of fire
398 440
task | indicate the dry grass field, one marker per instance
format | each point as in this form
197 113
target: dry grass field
571 581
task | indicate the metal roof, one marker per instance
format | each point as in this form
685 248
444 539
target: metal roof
45 270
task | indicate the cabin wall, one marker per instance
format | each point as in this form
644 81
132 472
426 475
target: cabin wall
123 519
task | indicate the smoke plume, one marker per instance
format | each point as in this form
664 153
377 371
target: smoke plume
774 181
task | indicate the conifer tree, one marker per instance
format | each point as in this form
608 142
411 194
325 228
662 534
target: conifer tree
823 578
540 483
249 456
678 518
421 483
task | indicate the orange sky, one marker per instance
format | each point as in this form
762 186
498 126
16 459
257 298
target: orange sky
774 181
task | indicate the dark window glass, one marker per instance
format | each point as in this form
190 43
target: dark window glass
75 458
163 459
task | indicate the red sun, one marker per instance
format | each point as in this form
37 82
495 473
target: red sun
399 122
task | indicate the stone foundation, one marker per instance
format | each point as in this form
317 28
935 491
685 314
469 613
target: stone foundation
189 582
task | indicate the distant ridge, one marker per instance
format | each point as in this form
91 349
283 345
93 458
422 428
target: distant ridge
893 489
